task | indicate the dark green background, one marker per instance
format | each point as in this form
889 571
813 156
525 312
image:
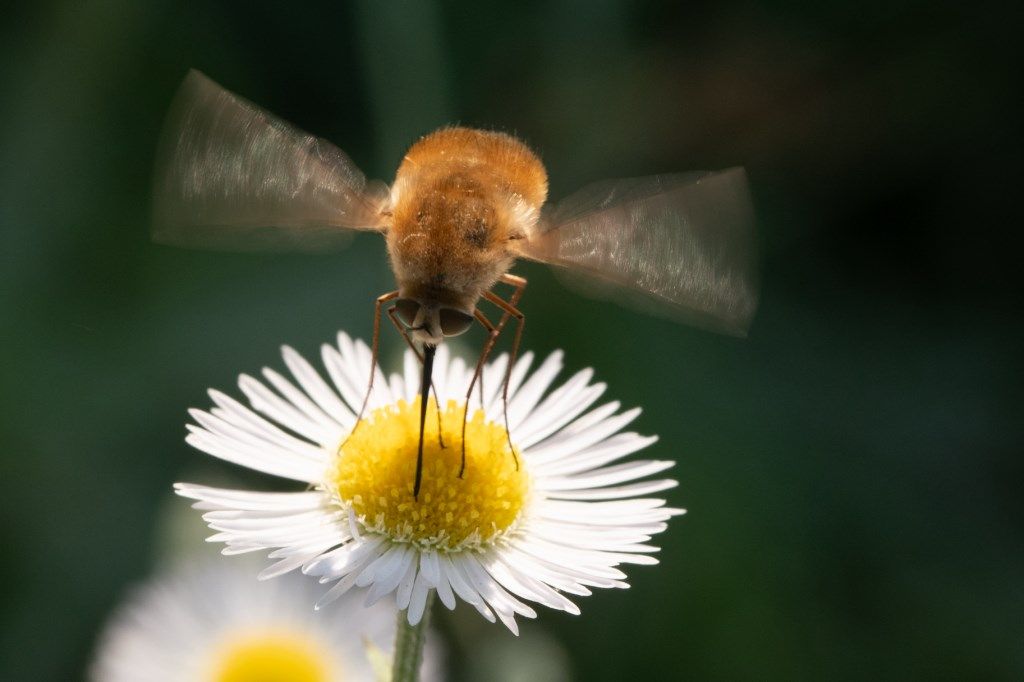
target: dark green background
852 470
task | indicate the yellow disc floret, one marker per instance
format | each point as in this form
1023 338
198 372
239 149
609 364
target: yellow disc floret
376 468
270 657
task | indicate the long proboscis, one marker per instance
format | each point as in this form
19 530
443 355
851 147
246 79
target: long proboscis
428 368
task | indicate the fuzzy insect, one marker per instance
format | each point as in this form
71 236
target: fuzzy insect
464 205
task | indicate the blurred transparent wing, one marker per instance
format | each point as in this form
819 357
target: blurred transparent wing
676 245
231 176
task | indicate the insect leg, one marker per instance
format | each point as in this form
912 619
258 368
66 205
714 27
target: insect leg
492 338
519 285
374 347
510 311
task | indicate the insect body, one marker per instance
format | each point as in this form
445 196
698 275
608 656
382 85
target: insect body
460 200
464 205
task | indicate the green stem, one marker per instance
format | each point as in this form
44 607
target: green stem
409 641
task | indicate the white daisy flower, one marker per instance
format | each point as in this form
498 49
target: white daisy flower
217 623
556 519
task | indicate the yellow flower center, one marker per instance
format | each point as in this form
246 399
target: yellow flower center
271 657
375 472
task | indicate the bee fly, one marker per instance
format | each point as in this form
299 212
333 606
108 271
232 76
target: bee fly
464 205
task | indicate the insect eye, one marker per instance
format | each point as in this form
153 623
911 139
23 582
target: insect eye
454 322
407 310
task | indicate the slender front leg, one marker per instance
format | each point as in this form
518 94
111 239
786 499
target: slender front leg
509 311
492 337
374 348
519 285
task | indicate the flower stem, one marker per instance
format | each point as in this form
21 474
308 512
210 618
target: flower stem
409 641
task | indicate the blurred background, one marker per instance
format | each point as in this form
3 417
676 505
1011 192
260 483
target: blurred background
852 469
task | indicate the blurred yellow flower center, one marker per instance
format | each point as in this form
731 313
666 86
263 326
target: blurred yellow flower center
376 469
271 657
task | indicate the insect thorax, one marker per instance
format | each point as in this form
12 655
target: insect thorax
460 198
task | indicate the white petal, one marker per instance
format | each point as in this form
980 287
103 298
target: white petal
544 571
317 388
388 579
492 379
519 371
381 390
504 604
347 560
232 411
290 563
231 432
302 401
562 406
348 387
382 568
405 586
463 588
450 380
222 498
599 454
430 567
396 384
283 412
349 572
525 586
569 441
336 591
418 600
270 461
630 490
607 476
411 370
529 395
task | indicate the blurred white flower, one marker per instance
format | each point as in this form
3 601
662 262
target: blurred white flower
214 622
556 518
